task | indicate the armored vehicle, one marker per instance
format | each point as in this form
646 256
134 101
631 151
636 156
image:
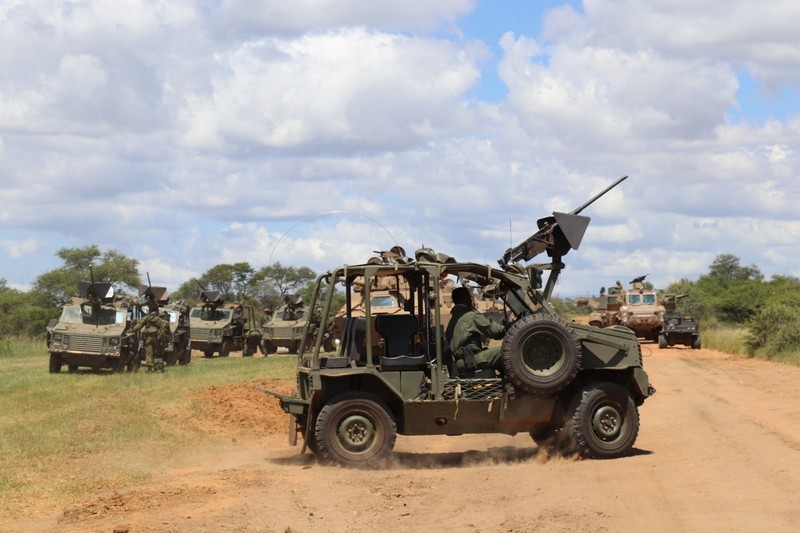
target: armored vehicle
561 380
178 349
285 328
636 308
680 330
92 331
218 327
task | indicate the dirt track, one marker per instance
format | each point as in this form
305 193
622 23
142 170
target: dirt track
718 450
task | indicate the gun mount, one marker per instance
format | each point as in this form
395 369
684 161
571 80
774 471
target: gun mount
556 235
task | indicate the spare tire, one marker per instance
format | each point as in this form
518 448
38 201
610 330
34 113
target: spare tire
541 354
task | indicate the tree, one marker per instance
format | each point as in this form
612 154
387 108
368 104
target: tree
276 281
726 270
86 264
234 282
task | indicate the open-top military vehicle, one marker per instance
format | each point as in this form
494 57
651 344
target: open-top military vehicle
637 308
178 348
219 327
92 331
576 382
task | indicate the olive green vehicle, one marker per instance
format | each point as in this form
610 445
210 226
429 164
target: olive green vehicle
562 381
92 331
178 349
285 328
678 329
217 327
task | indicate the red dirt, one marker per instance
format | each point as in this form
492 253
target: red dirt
717 451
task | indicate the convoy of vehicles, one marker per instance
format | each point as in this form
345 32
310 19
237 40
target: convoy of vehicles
637 308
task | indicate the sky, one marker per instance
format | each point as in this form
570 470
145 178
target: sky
186 134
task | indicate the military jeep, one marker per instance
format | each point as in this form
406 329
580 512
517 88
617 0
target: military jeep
579 383
219 327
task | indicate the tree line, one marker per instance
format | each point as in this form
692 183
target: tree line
27 313
729 293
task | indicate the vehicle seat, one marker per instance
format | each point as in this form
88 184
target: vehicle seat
398 332
353 342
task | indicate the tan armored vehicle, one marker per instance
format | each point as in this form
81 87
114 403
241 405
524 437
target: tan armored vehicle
178 348
636 308
91 331
217 327
285 328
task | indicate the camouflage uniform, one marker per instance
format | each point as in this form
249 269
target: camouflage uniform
465 332
155 332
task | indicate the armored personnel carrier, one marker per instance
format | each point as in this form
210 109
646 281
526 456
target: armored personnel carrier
92 331
285 327
637 308
579 383
178 348
217 327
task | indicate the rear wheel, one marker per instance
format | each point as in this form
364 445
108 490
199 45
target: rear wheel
208 352
355 429
186 358
294 346
55 363
662 341
696 343
541 354
605 420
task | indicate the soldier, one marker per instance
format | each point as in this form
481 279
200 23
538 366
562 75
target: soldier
465 334
155 331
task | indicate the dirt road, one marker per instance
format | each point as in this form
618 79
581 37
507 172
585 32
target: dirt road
718 450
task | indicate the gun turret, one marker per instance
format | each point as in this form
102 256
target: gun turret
556 235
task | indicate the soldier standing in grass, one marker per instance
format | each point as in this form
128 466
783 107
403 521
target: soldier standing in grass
155 332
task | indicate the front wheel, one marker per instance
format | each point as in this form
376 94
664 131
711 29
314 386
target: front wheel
225 349
55 363
662 341
605 421
355 429
696 343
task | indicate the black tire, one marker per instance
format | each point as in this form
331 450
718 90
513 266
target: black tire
186 358
208 352
662 341
605 421
55 363
118 364
269 347
224 348
72 368
697 343
329 345
294 346
355 429
541 354
171 357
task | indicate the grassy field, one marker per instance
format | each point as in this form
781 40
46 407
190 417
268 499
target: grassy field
88 419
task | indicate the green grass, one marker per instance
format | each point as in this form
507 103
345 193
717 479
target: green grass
62 434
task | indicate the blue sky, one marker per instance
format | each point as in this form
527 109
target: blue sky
188 134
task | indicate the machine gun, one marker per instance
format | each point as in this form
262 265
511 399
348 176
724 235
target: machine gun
557 234
153 295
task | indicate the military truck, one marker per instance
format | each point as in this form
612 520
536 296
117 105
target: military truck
680 330
285 327
637 308
92 331
217 327
561 380
178 348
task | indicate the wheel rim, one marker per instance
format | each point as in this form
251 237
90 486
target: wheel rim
543 354
356 432
607 422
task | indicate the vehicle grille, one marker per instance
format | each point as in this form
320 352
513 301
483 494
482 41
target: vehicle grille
282 333
200 334
84 343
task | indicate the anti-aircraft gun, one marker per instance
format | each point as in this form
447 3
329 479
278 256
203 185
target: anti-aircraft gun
557 234
91 331
178 347
216 326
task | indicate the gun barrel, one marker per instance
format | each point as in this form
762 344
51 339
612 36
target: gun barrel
598 195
